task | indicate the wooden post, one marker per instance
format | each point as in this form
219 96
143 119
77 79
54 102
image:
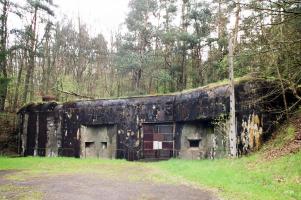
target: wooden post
232 133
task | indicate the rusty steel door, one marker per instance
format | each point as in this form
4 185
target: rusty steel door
158 141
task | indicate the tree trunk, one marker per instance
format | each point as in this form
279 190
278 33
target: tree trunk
235 34
219 26
47 61
3 61
280 77
282 92
232 134
182 78
16 96
232 46
32 51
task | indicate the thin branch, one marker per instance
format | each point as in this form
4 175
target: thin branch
74 94
269 9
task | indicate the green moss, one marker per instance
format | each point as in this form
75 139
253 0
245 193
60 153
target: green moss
206 87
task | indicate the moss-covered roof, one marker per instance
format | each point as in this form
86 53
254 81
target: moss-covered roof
205 88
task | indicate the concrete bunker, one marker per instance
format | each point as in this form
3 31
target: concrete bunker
189 124
199 141
98 141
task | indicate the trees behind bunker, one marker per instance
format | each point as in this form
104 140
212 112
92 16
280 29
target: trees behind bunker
168 46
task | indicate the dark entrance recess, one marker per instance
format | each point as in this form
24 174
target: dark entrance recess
158 141
104 145
31 134
194 143
90 150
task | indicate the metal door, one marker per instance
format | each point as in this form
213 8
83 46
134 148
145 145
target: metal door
158 141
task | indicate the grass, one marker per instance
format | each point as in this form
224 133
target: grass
34 166
251 177
244 178
285 134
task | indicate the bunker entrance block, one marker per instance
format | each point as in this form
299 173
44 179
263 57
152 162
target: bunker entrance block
98 141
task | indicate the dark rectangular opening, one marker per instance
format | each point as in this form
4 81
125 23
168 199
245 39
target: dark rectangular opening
104 145
89 144
194 143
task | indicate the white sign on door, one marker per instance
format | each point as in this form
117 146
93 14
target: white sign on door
157 145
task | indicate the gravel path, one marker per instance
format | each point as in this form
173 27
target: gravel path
89 186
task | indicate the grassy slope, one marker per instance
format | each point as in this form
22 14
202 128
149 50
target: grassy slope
252 177
245 178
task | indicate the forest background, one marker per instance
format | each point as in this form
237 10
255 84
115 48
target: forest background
162 46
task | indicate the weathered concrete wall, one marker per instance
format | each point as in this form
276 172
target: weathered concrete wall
196 140
98 141
57 127
52 139
211 143
23 129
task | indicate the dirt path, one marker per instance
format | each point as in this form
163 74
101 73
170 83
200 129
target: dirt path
89 186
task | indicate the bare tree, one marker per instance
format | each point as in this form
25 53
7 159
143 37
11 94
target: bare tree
3 54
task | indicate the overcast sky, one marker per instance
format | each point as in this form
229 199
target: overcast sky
100 15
